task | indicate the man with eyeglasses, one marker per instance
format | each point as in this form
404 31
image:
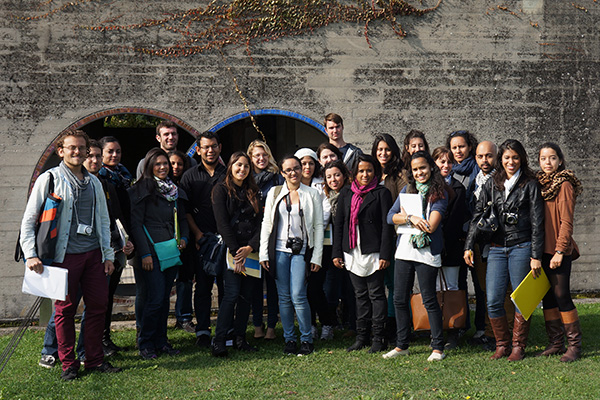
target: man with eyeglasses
198 182
83 248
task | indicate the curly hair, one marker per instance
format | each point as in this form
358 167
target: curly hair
405 154
469 138
438 185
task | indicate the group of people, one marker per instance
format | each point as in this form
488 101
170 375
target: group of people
325 228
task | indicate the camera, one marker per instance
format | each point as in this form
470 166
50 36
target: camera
84 229
295 244
511 218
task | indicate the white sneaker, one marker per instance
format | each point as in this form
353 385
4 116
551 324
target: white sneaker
327 332
47 361
395 353
436 356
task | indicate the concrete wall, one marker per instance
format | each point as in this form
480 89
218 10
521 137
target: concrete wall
464 66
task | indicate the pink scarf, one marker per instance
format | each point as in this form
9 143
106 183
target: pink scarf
357 200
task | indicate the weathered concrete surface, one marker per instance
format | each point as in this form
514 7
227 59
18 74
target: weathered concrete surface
459 68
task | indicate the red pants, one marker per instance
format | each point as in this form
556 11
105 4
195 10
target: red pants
85 270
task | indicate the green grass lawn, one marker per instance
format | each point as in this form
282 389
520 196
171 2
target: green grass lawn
330 373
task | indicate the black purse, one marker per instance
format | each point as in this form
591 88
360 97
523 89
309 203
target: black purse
488 222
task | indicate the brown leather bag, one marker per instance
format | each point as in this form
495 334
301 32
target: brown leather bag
452 302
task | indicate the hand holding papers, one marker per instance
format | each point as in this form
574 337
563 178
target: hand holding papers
252 266
52 283
529 293
413 205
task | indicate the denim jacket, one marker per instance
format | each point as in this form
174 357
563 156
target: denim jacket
65 212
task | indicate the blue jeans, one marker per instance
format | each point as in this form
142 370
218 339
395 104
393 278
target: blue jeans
153 331
183 304
505 263
291 288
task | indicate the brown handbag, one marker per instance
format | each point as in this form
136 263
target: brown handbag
452 302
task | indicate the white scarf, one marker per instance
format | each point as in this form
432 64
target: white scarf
510 183
480 180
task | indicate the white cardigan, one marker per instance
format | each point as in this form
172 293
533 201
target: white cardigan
312 205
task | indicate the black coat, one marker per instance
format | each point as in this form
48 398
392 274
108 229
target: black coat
525 200
157 214
237 222
454 219
376 236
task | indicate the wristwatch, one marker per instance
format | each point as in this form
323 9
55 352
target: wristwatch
408 221
559 252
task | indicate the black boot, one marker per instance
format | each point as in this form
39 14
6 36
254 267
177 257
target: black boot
218 348
240 343
379 344
362 337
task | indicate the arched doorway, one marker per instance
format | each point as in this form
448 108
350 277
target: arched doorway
285 132
136 139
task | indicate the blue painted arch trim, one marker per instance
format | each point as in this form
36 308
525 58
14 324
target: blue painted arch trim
264 111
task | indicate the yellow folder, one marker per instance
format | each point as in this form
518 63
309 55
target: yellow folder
529 293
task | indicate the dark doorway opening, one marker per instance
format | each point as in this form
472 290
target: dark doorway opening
135 141
284 135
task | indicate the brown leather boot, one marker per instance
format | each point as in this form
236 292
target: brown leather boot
556 333
519 341
571 321
500 328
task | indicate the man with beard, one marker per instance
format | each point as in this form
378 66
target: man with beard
83 248
198 183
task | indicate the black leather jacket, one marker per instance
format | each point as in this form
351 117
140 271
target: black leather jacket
525 201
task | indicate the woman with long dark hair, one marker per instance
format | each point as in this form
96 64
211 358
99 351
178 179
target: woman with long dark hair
266 175
419 253
180 163
157 210
291 246
386 151
560 188
517 245
238 214
363 244
413 141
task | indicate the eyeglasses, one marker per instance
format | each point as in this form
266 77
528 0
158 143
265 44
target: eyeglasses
82 149
207 148
290 170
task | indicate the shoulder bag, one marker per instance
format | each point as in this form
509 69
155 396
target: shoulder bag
167 252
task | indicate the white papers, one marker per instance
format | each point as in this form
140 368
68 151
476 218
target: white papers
413 205
52 283
122 233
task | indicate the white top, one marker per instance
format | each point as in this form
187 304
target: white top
406 251
361 264
295 229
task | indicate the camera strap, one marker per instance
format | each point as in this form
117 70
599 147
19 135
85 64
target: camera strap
288 206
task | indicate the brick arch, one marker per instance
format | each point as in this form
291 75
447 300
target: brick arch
103 114
264 111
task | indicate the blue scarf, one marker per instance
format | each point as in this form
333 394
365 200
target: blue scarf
120 176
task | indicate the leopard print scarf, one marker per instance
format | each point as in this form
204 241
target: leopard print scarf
551 183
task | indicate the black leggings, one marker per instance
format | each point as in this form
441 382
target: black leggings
559 294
